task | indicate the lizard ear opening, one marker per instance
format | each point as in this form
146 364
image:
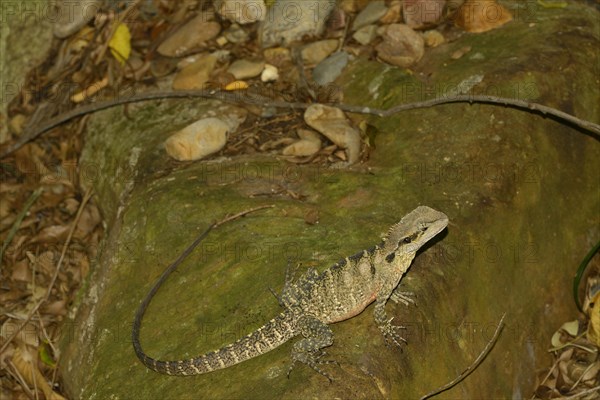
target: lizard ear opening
390 257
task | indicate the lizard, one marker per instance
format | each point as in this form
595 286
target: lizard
315 300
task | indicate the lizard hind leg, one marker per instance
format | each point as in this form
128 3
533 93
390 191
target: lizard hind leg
309 350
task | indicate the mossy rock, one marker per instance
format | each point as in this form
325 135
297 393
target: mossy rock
521 192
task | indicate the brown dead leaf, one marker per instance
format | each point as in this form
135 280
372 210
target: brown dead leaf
90 218
70 206
26 364
14 249
47 261
21 271
28 336
6 205
54 233
11 296
58 307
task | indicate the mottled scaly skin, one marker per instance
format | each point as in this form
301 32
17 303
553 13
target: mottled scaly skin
317 299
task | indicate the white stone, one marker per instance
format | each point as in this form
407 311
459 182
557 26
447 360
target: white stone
270 73
198 140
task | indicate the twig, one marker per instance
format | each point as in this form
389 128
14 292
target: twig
13 230
521 104
86 198
240 214
236 98
46 336
584 393
34 379
473 366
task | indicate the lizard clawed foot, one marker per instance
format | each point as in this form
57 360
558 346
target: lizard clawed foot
390 333
405 298
313 360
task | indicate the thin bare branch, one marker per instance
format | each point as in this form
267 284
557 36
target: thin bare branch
33 132
473 366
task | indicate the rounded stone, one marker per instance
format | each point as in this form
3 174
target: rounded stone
198 140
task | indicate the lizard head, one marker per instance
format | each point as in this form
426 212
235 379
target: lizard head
414 230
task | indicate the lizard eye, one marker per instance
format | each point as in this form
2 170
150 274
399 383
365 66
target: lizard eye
407 240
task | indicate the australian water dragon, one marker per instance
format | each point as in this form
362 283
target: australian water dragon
315 300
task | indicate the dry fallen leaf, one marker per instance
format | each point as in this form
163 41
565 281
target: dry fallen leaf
21 271
26 365
54 234
120 43
90 218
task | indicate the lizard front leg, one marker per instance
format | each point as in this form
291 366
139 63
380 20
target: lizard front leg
385 325
309 350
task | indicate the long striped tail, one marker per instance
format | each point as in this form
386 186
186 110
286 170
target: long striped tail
271 335
266 338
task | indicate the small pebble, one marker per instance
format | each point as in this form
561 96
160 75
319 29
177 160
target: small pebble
269 74
332 123
370 14
316 52
193 35
245 69
329 69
